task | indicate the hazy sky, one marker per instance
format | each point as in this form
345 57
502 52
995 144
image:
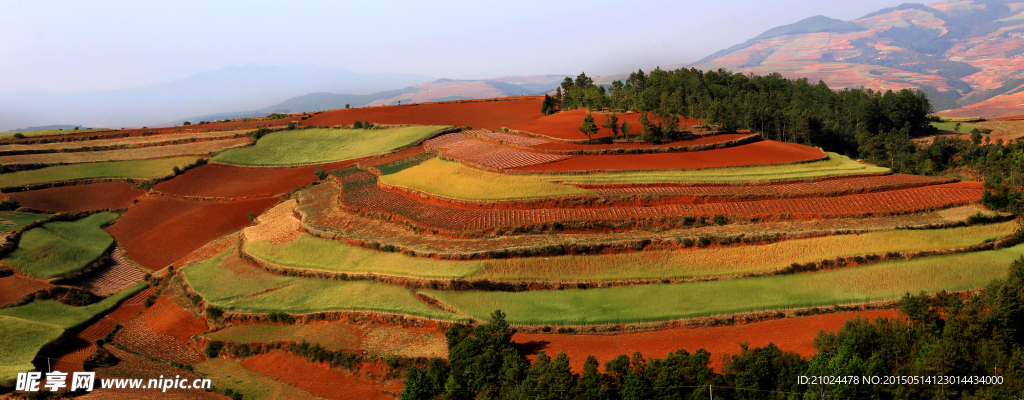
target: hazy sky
68 46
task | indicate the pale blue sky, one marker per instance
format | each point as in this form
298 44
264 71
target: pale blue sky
68 46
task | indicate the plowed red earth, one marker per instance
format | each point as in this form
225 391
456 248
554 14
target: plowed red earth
360 194
821 188
159 230
566 124
478 114
789 334
765 152
313 378
76 198
166 317
697 141
220 180
16 286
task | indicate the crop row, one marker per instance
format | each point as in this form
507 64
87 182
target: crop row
846 185
361 192
140 338
117 276
489 153
517 139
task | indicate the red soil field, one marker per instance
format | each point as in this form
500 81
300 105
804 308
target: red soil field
789 334
221 180
566 124
820 187
765 152
398 155
77 350
696 141
118 275
314 378
479 114
159 230
126 311
17 286
491 154
166 317
76 198
137 336
368 197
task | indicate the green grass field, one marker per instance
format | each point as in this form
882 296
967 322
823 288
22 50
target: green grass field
740 259
22 341
225 277
57 248
51 132
253 385
234 285
883 281
965 127
334 336
310 252
453 179
68 317
141 169
12 220
314 146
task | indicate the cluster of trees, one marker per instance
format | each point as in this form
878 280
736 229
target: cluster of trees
364 124
943 335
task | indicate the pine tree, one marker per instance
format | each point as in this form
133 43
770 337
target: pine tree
588 127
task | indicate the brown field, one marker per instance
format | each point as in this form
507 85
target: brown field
139 337
789 334
118 275
221 180
565 124
99 196
318 379
122 141
167 318
478 114
17 286
174 150
159 230
765 152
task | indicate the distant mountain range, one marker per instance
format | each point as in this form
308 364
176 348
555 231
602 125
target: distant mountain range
968 56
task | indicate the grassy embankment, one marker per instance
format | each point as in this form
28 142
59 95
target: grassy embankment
315 146
452 179
234 286
51 132
141 169
883 281
26 329
57 248
312 253
12 220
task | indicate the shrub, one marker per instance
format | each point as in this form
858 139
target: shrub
213 348
357 125
149 301
19 135
5 272
8 205
704 241
214 312
186 123
720 219
320 173
177 171
347 105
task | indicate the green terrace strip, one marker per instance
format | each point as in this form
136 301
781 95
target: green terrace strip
251 384
965 127
11 221
453 179
226 283
51 132
315 254
644 303
65 316
334 336
22 341
26 329
140 169
315 146
835 165
57 248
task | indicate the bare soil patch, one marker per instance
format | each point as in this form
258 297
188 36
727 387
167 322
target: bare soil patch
17 286
765 152
167 318
314 378
98 196
221 180
479 114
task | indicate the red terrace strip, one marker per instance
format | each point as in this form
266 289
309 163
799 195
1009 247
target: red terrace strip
138 337
167 318
360 191
822 187
315 378
789 334
126 311
517 139
16 286
159 230
566 124
220 180
76 198
764 152
117 276
406 153
695 141
461 147
479 114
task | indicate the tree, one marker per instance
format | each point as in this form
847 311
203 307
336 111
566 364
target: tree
366 124
186 123
626 129
347 105
549 106
588 127
357 125
320 173
612 123
956 128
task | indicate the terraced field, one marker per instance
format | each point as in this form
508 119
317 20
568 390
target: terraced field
58 248
463 147
144 169
206 148
316 146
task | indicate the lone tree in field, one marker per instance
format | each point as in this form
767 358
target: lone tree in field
357 125
549 106
588 127
320 173
612 123
626 129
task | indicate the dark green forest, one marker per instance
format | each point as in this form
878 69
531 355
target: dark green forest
943 335
877 127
